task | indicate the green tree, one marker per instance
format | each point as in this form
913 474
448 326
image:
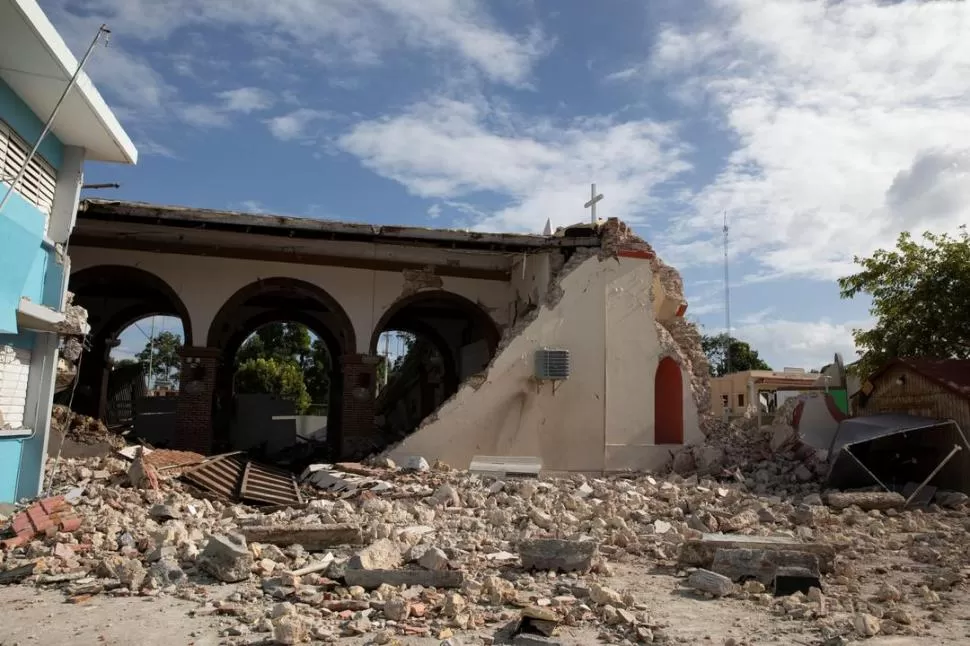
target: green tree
743 356
282 378
920 300
278 341
162 355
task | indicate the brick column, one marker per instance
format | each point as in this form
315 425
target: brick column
197 379
357 417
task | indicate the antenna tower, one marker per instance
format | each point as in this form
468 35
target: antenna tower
727 302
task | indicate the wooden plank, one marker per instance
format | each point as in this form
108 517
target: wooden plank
700 552
311 537
373 579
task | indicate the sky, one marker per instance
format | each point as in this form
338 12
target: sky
820 130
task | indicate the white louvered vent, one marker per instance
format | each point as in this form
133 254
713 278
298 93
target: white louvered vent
14 371
40 180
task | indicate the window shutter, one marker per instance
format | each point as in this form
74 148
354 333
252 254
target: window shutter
39 182
14 370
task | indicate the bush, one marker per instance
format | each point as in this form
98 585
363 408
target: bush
271 376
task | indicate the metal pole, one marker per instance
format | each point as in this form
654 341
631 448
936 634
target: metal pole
954 451
50 120
151 354
727 303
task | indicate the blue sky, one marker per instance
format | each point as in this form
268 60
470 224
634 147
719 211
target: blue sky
821 129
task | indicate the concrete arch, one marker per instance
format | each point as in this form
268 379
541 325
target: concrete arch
668 388
460 332
125 282
280 300
285 297
116 296
402 313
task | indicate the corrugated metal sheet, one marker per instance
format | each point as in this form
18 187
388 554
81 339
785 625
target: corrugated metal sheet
915 394
235 477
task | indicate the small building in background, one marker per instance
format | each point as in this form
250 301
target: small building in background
733 394
935 388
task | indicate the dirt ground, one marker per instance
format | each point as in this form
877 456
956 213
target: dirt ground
34 616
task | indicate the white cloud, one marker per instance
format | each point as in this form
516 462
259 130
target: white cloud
335 32
800 344
434 211
203 116
295 125
449 149
251 206
152 147
623 75
246 100
217 115
852 121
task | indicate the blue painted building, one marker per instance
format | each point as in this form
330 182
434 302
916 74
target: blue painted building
36 221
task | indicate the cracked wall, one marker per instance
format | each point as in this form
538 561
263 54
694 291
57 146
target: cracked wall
601 308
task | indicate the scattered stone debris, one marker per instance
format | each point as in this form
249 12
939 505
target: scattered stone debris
446 554
81 428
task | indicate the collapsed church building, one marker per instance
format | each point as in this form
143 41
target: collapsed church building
570 348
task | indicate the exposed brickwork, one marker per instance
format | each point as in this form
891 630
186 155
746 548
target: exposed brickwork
46 516
357 427
193 420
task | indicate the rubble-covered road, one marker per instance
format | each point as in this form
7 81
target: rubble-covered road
443 556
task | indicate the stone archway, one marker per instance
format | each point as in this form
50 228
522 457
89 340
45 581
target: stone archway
668 403
115 297
454 339
280 300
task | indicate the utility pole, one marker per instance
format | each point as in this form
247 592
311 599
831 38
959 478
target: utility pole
151 354
727 302
103 30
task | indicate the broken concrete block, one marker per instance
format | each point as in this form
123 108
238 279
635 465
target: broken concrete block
383 554
710 582
130 572
416 463
162 513
558 555
18 574
761 565
434 559
525 639
373 579
313 538
445 496
167 572
865 500
396 609
747 518
866 625
226 558
289 630
700 552
602 595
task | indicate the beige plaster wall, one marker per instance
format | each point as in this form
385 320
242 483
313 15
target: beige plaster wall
601 418
204 284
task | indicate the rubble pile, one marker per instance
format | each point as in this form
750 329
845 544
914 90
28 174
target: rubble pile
81 428
767 459
446 552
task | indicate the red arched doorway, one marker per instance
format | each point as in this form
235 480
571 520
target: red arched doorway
668 402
